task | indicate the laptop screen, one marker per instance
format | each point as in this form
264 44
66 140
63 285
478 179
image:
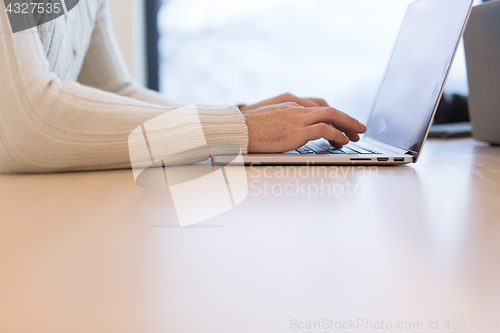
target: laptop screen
417 72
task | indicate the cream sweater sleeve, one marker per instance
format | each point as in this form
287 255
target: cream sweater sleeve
47 125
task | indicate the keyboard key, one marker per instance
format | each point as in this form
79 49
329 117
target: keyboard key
332 150
359 150
351 149
336 151
317 148
363 150
305 150
324 145
346 150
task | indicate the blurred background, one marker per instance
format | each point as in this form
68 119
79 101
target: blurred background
232 52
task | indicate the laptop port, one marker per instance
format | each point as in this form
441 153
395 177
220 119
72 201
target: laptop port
383 159
399 159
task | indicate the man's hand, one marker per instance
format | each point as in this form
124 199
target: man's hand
285 98
284 127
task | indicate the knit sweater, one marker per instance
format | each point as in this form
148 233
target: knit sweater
68 103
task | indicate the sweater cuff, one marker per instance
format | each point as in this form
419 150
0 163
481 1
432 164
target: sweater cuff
224 124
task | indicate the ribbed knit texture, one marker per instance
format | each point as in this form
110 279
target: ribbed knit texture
67 101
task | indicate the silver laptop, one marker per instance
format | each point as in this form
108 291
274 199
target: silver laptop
407 99
482 49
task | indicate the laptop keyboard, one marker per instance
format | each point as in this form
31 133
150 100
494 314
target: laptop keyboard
315 147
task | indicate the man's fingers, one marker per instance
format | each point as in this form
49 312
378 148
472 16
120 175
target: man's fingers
336 145
314 102
353 135
319 101
322 130
335 117
308 103
305 102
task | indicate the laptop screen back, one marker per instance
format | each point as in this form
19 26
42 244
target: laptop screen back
417 72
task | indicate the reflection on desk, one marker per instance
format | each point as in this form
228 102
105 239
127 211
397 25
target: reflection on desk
92 252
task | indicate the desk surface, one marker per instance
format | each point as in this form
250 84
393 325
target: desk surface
92 252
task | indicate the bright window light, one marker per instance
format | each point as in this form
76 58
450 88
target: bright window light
231 52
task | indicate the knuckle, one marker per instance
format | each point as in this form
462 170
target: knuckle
332 112
322 127
294 117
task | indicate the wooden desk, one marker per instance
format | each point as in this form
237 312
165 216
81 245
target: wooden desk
92 252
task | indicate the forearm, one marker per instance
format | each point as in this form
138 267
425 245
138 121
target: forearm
67 127
133 90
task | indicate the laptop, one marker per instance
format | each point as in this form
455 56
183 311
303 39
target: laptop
408 97
482 50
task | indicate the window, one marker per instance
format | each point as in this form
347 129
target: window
231 52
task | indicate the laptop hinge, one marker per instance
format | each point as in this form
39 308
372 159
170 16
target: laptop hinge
414 154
